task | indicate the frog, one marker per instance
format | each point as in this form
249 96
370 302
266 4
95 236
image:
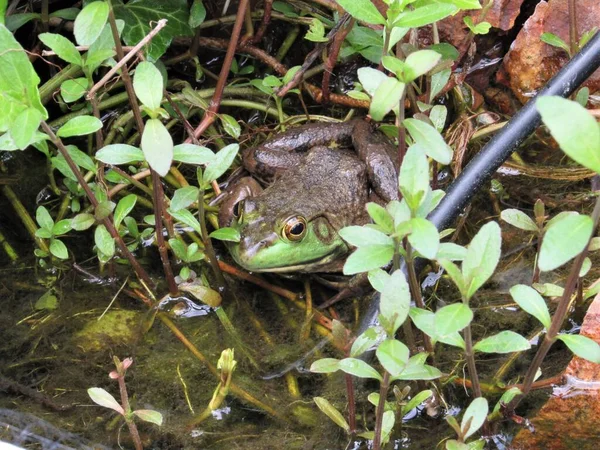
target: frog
305 185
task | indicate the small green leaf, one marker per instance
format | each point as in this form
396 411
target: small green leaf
393 356
482 257
371 79
381 217
103 398
476 414
364 236
417 370
123 208
367 340
564 240
451 251
90 22
148 85
358 368
119 154
197 14
386 97
518 219
325 365
424 237
79 126
416 401
582 346
378 278
555 41
425 15
424 320
61 227
187 218
226 234
72 90
452 318
104 209
221 162
316 32
193 154
438 82
63 47
43 218
480 28
184 197
395 301
230 125
574 128
419 63
157 145
531 302
82 221
104 241
149 415
414 176
16 21
367 258
47 302
330 411
429 139
362 10
454 272
59 249
503 342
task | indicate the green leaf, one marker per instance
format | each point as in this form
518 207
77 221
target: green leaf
438 82
325 365
61 227
371 79
59 249
123 208
555 41
393 356
330 411
43 218
416 370
47 302
425 15
197 14
464 4
386 97
104 209
82 221
148 85
157 145
66 13
574 128
564 240
582 96
518 219
16 21
381 217
452 318
140 17
503 342
378 278
362 10
79 126
184 197
221 162
429 139
582 346
63 47
454 272
192 154
358 368
230 125
438 115
149 415
187 218
474 417
363 236
103 398
104 241
395 301
316 32
480 28
367 258
72 90
419 63
226 234
531 302
24 127
482 257
423 320
119 154
367 340
103 47
90 22
416 401
424 237
451 251
414 176
43 233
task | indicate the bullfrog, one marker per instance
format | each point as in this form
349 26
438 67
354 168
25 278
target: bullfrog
317 178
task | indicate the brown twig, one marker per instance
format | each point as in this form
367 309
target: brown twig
334 51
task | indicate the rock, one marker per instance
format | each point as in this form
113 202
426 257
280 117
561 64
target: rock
531 63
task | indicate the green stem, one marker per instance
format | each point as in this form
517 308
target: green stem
53 84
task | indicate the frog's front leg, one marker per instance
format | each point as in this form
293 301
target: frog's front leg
231 207
286 150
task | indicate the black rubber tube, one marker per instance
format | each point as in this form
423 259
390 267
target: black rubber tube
483 166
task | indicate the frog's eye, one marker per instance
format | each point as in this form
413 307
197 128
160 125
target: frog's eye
294 228
237 209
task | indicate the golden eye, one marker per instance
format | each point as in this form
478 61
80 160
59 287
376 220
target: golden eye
294 228
238 208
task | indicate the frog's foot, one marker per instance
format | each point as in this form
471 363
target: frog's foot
356 285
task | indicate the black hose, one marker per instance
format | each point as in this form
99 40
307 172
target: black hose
483 166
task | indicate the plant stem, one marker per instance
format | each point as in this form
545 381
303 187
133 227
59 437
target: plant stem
573 36
351 402
470 357
415 289
383 390
133 431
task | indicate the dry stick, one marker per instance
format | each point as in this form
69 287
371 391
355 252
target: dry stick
159 26
557 319
573 36
312 56
334 51
210 114
107 221
268 7
158 194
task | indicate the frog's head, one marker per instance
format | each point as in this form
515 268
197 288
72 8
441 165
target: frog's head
283 241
